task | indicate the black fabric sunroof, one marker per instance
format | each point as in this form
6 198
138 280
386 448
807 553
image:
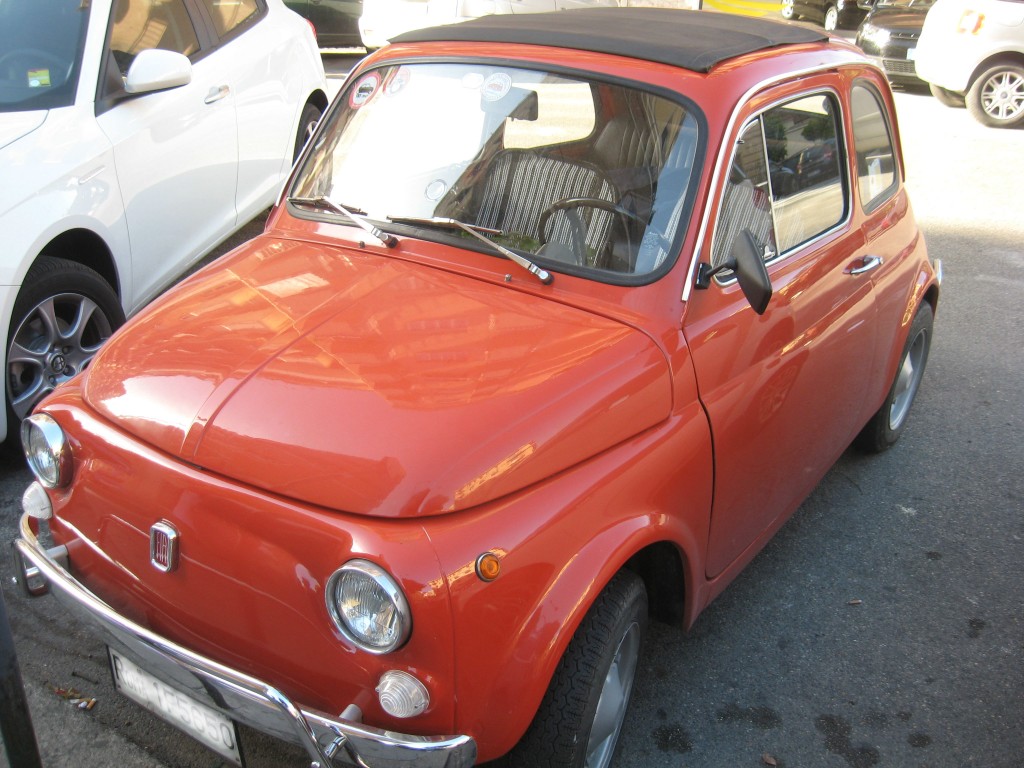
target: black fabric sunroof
694 40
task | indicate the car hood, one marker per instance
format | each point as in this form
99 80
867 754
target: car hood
374 385
15 125
897 19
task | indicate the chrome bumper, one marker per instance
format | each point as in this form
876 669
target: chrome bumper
329 741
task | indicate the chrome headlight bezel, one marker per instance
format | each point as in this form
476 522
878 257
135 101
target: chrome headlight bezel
47 450
340 590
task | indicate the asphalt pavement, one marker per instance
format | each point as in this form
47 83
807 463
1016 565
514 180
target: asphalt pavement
883 626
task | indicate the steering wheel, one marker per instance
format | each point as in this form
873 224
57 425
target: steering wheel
579 237
33 57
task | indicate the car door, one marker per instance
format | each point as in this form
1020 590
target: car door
175 150
783 391
270 78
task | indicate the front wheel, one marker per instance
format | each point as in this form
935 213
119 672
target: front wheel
580 719
63 314
887 424
308 120
996 98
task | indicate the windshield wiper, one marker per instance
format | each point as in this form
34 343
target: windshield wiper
478 232
356 215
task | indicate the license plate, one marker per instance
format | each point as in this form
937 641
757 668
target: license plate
199 721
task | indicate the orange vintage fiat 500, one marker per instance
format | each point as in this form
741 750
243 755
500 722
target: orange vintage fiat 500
557 321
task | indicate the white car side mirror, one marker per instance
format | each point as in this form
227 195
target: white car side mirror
156 70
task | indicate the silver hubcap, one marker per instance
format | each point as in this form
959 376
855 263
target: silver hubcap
907 381
56 340
831 19
611 707
1002 96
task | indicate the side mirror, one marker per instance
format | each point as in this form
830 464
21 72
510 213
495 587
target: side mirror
156 70
745 259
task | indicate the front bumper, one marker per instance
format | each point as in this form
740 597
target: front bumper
330 741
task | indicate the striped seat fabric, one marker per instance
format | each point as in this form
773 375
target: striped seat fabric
522 184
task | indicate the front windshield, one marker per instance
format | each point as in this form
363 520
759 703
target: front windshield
580 175
41 45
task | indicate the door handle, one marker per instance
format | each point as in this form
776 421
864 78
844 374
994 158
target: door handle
216 94
866 264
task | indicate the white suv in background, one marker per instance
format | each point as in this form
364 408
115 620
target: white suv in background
973 51
135 135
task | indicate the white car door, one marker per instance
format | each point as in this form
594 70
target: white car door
267 107
175 150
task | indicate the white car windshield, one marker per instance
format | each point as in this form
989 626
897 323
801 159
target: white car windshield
581 175
41 45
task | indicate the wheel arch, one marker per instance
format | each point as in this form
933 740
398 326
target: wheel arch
87 248
1000 57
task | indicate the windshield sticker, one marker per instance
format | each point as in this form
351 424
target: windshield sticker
496 86
364 90
38 78
397 81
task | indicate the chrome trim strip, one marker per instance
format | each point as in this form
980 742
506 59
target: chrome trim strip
331 742
937 266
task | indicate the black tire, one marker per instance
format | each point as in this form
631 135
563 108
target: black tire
830 21
308 120
996 98
601 658
886 426
947 98
43 350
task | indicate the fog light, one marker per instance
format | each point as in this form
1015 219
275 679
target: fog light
401 694
36 503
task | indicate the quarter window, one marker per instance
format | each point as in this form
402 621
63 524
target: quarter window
785 182
876 163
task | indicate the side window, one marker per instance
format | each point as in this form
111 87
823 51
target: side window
746 201
876 160
140 25
785 183
230 14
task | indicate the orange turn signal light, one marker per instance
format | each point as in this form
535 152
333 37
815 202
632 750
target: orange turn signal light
488 566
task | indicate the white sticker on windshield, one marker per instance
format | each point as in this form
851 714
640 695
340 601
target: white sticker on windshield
364 90
496 86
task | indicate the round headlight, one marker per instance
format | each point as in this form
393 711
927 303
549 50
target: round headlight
47 450
368 607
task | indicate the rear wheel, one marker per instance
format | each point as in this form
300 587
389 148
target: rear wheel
63 314
946 97
788 11
887 424
831 22
996 98
580 719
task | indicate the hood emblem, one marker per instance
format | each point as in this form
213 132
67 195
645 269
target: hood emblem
163 547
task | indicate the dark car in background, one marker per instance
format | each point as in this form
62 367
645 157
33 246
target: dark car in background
889 35
336 22
831 14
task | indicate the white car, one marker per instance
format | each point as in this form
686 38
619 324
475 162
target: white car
135 135
382 20
973 51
